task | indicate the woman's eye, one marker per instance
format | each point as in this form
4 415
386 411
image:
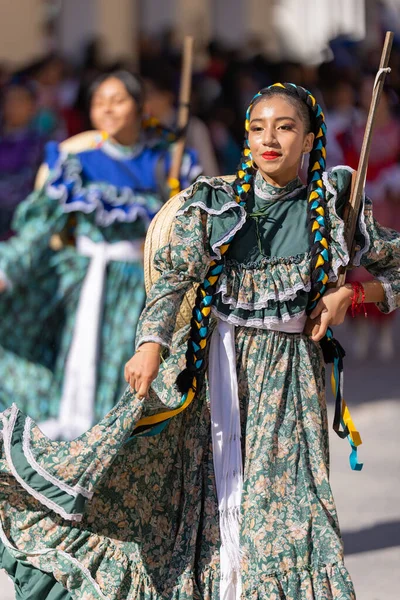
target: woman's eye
254 128
286 127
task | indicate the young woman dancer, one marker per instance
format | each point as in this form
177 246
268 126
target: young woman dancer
230 496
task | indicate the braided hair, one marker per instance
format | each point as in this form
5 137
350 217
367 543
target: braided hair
313 117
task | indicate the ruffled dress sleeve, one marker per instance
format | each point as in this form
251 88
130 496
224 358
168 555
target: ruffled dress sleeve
208 218
93 183
35 221
382 259
377 247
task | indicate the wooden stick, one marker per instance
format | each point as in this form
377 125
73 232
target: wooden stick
359 176
183 113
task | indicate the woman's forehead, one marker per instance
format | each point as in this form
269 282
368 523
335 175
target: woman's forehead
274 107
110 87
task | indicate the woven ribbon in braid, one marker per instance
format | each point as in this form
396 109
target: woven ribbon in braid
320 266
190 379
153 127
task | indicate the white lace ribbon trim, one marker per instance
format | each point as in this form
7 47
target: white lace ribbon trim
286 324
70 558
26 446
215 182
280 196
389 294
340 239
8 428
283 296
135 204
211 211
216 246
152 338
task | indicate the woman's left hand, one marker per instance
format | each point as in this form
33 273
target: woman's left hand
330 310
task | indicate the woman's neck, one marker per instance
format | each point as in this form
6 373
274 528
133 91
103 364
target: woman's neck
279 181
126 138
268 191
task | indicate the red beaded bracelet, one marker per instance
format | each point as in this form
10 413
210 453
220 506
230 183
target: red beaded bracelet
356 303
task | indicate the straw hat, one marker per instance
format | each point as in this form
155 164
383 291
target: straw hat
77 143
158 235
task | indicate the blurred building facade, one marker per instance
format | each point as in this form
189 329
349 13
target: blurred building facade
287 29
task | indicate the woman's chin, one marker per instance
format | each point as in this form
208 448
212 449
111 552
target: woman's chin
111 133
270 170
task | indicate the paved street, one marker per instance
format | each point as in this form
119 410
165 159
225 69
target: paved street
368 502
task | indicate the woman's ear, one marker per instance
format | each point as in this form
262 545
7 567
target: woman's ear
308 143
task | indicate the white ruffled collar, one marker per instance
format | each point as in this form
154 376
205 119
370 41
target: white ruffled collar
266 191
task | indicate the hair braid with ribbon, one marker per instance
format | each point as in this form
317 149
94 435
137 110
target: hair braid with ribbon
305 102
316 207
154 128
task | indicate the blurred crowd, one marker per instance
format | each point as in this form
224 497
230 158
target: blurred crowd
47 100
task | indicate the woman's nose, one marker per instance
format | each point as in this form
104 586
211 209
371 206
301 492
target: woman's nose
108 107
268 137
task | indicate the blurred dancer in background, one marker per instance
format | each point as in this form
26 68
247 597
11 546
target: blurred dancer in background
21 149
72 278
161 104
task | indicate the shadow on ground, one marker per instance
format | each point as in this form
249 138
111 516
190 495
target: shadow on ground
384 535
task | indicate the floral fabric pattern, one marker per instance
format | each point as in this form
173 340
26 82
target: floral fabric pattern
149 525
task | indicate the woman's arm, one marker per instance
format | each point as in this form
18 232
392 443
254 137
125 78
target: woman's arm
382 260
182 263
143 368
332 308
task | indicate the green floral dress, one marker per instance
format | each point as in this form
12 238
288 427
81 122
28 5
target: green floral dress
111 517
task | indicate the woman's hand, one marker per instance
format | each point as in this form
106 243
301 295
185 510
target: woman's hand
143 368
3 286
330 310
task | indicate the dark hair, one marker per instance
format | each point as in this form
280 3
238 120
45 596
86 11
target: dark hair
162 78
188 381
133 84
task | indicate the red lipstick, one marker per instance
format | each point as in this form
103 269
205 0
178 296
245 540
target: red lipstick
270 155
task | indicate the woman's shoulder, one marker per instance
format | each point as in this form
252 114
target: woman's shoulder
73 147
87 140
213 195
338 179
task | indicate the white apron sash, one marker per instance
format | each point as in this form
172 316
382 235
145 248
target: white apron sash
227 450
79 387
